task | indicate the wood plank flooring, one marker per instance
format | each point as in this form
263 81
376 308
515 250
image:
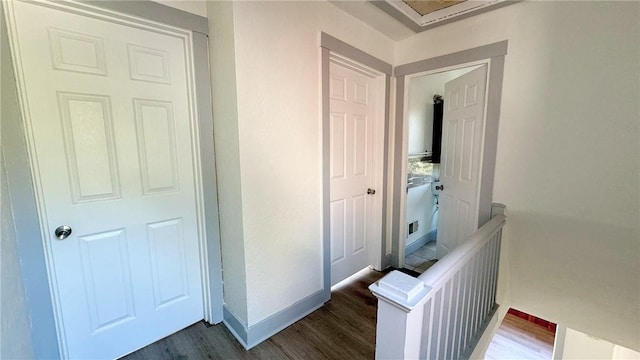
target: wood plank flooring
344 328
520 339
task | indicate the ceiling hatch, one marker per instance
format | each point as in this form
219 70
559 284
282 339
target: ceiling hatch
427 7
420 15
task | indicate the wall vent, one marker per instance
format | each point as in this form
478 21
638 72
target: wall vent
413 227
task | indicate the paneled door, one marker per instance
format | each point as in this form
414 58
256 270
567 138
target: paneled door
354 218
109 117
462 139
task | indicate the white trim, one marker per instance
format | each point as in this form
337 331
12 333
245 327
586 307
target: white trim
134 22
559 342
407 11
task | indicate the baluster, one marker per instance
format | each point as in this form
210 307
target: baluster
427 329
453 313
437 325
447 306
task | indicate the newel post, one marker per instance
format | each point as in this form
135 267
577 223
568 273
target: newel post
401 301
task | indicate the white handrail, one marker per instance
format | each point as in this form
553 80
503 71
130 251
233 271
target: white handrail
458 256
442 313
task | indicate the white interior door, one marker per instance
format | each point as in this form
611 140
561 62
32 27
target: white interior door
462 139
354 225
109 112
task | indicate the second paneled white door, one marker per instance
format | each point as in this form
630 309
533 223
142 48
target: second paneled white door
110 112
462 139
354 216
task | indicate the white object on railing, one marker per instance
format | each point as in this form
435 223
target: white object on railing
400 311
442 313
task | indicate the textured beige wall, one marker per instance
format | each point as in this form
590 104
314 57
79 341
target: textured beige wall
277 70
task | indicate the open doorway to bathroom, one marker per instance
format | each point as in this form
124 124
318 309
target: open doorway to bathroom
425 111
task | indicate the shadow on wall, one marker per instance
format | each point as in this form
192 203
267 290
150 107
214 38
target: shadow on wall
577 273
15 337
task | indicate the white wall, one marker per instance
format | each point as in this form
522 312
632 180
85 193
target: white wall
420 114
580 346
420 207
567 163
270 185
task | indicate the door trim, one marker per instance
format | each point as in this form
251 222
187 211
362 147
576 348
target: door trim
155 12
331 45
39 280
491 54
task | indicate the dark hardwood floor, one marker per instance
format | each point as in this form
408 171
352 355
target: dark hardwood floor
344 328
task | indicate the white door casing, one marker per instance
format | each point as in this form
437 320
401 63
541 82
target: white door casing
356 134
109 114
461 160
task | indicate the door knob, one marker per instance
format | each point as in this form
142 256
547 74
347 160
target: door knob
371 191
62 232
439 187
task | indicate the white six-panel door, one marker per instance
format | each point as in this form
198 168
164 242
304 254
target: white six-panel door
109 111
462 139
353 216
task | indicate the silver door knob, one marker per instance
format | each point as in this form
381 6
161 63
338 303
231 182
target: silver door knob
371 191
62 232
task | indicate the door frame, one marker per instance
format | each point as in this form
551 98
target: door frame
373 228
22 174
332 47
493 55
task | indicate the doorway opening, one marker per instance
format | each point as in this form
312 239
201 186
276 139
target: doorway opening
464 194
355 119
425 111
356 148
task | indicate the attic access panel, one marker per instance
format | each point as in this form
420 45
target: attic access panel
421 15
423 7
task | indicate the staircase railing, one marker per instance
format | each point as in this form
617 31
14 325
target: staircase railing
442 313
